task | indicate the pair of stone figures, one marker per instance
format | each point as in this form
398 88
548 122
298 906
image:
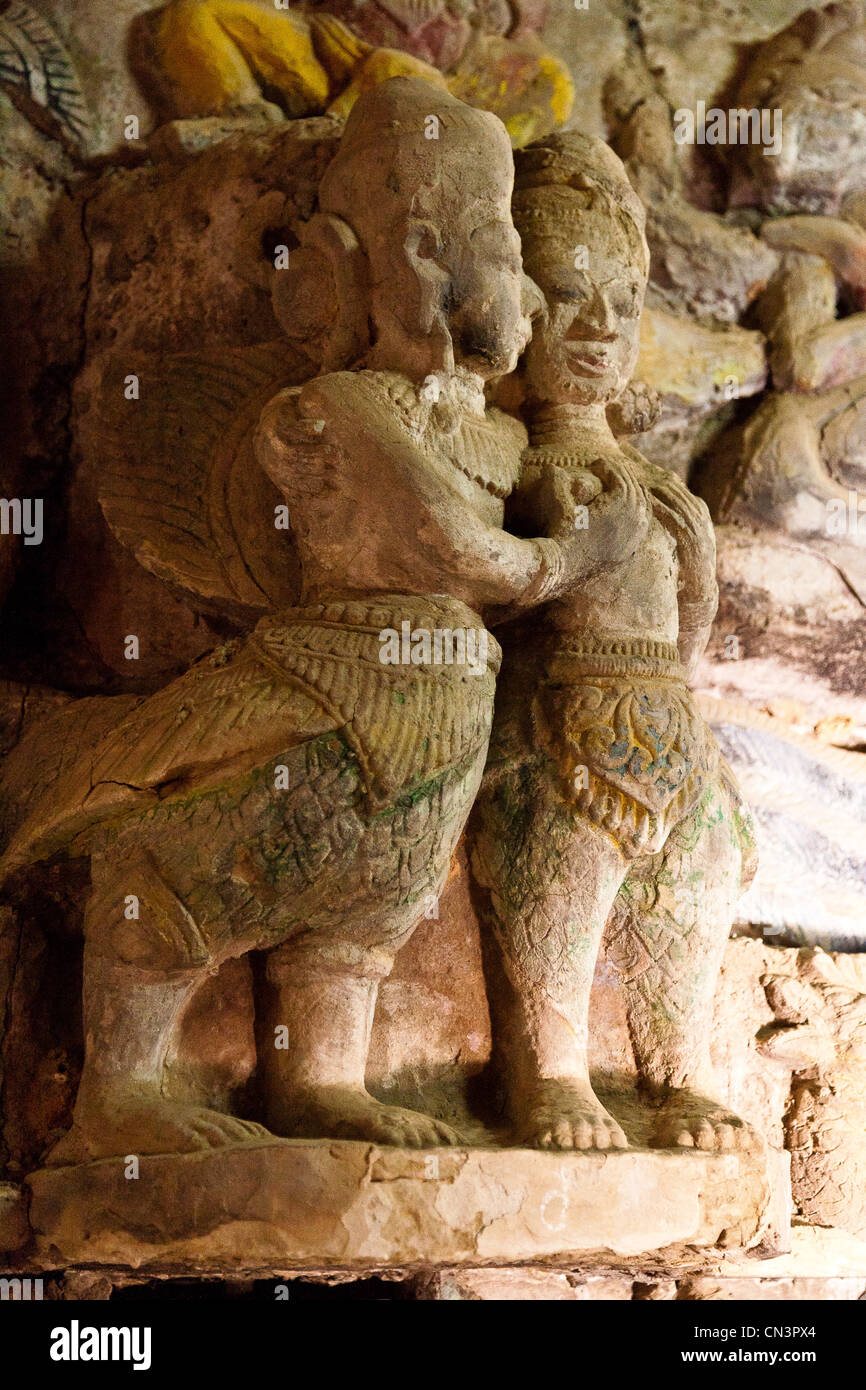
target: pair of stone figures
291 793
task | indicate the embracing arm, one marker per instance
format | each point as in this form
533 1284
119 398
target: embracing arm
370 510
375 510
511 574
687 519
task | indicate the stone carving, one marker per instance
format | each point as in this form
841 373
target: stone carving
606 792
793 469
291 792
35 64
223 57
182 492
703 265
273 788
692 373
783 484
814 73
439 31
820 1008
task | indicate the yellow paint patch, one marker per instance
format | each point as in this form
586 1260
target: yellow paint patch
382 64
215 53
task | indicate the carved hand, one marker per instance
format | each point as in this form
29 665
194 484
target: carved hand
292 450
615 523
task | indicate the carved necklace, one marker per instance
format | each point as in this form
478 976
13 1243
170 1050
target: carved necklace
471 443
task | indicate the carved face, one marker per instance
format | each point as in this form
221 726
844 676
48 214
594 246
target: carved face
590 271
430 205
489 299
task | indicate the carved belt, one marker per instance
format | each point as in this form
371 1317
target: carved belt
636 656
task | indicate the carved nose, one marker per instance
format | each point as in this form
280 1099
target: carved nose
595 321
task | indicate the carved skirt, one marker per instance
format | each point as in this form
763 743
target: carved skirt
632 751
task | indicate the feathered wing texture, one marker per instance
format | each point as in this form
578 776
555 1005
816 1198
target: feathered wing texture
34 776
179 484
105 757
33 59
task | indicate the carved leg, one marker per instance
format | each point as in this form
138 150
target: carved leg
672 920
550 893
138 976
315 1085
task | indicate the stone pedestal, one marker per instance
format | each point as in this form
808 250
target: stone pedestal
309 1205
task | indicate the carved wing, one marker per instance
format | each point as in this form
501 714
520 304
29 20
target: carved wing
33 59
106 757
35 774
177 477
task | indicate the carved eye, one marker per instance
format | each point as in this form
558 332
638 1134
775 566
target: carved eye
568 294
499 242
626 302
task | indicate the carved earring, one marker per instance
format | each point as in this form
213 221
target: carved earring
322 298
422 246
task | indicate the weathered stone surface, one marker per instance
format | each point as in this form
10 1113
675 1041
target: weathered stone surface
143 309
730 1288
789 635
43 277
22 706
693 47
821 1014
307 1204
164 259
812 72
809 803
522 1285
701 263
758 1085
432 1025
14 1227
528 88
818 1253
108 49
693 373
86 1284
693 367
435 30
183 251
593 42
823 1264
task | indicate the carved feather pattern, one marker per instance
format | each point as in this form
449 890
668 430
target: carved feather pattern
110 756
181 487
33 59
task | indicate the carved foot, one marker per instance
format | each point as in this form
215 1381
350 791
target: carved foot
117 1128
342 1112
688 1120
565 1114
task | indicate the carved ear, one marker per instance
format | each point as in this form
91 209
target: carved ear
422 247
322 299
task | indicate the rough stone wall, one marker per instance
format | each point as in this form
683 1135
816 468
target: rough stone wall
122 251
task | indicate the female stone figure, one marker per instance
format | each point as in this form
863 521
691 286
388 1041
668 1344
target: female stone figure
605 791
292 793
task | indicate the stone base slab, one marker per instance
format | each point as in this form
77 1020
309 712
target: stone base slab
341 1205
